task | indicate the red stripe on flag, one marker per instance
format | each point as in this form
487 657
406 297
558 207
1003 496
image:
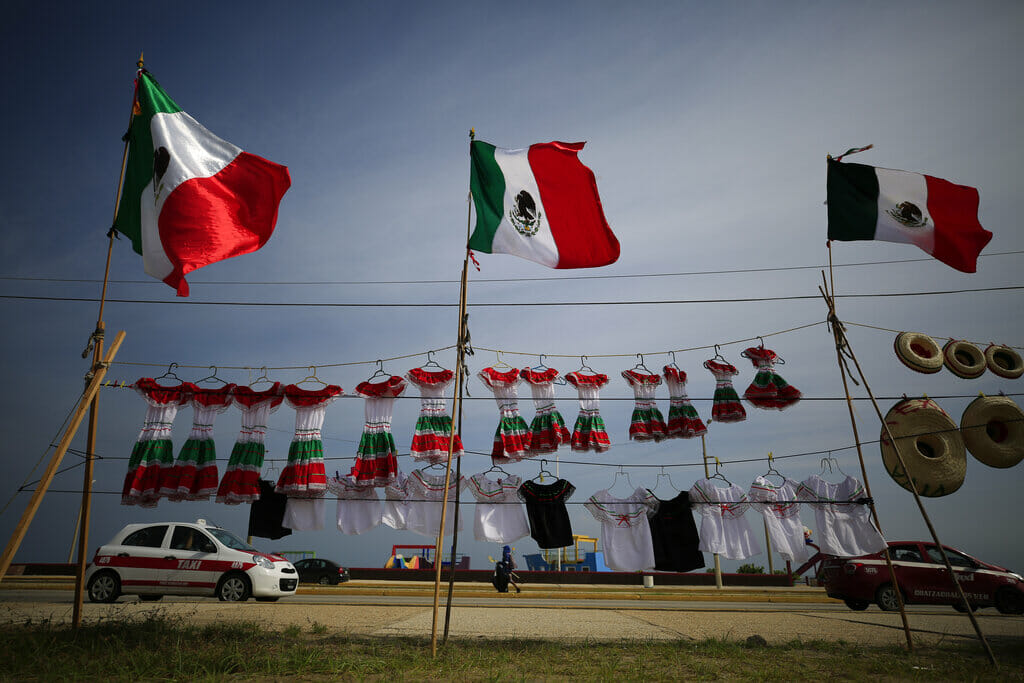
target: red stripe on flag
211 219
959 237
568 191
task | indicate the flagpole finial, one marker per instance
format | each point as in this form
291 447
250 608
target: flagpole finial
139 63
472 134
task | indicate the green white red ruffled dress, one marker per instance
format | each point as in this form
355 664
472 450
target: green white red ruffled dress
376 462
194 475
240 483
726 406
434 425
304 475
512 437
153 451
547 429
683 420
768 390
589 432
647 423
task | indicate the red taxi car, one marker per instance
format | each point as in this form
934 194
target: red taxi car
923 579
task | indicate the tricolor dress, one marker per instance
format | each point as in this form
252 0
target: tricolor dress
726 406
768 390
240 483
434 425
683 420
589 433
376 461
512 437
304 475
647 423
547 429
194 475
153 451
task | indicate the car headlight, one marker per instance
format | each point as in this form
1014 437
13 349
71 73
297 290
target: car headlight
262 561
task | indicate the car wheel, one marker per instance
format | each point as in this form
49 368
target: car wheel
887 599
104 587
150 598
1009 601
857 605
234 588
324 581
268 599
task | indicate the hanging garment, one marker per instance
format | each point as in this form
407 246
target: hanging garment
238 485
785 529
723 528
726 406
304 475
499 517
396 509
768 390
647 422
153 451
512 437
266 514
359 509
194 475
674 535
844 528
683 421
547 429
625 529
589 433
304 514
434 425
546 510
376 464
425 501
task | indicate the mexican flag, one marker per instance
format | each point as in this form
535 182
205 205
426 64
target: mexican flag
541 204
189 198
868 203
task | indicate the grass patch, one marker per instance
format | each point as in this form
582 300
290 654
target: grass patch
174 649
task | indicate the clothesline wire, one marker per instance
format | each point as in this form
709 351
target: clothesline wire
508 304
195 283
935 336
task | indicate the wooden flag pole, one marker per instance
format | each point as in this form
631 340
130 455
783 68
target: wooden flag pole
460 356
62 447
843 347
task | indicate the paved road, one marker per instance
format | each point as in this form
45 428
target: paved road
547 618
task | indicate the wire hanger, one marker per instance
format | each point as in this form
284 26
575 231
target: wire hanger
501 363
262 377
673 363
212 377
640 364
271 472
771 469
657 481
311 377
718 355
718 472
540 367
543 470
431 363
495 467
622 471
379 372
170 373
584 366
829 461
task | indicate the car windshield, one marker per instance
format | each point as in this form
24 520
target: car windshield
230 540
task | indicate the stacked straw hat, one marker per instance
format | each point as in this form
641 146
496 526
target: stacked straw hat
919 352
964 359
993 431
1004 361
930 444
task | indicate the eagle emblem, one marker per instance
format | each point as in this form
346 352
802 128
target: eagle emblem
908 214
524 216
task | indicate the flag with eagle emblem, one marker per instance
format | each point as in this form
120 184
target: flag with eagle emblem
189 198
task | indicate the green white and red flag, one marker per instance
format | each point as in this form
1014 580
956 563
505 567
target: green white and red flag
940 217
541 204
189 198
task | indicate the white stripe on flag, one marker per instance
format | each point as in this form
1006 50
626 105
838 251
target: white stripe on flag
894 188
540 247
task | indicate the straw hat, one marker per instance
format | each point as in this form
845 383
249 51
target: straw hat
993 429
1004 361
918 352
963 359
930 444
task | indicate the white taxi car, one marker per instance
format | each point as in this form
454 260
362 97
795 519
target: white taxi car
186 558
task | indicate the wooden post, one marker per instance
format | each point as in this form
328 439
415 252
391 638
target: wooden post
707 473
768 547
62 447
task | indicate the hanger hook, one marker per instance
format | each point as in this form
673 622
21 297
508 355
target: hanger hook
430 356
540 358
673 354
641 357
760 340
380 365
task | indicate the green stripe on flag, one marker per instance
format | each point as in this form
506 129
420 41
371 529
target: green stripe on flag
487 184
852 191
152 100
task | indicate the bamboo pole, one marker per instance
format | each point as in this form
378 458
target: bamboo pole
460 355
707 473
62 448
841 343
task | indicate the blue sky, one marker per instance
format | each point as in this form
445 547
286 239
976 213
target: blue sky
707 128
